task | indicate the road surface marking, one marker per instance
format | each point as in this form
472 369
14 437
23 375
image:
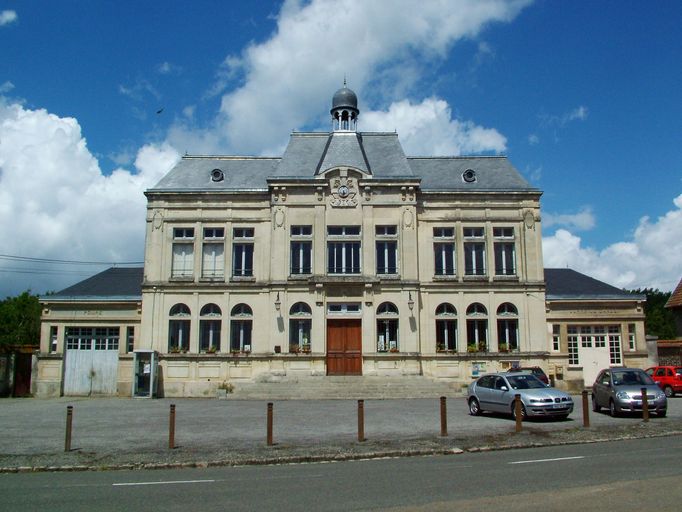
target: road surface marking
169 482
545 460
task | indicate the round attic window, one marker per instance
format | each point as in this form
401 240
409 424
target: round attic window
217 175
469 176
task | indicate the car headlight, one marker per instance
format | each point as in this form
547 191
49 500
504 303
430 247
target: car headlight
623 395
536 401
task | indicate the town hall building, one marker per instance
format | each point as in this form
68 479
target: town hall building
343 256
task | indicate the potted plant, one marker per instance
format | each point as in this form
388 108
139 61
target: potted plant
305 349
440 347
294 348
502 347
393 349
212 349
472 347
224 388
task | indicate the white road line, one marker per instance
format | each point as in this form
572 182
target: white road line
169 482
545 460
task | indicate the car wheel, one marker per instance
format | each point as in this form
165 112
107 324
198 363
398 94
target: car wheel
669 392
661 414
523 411
595 406
474 407
612 409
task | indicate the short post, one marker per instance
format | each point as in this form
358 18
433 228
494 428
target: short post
645 406
361 420
270 443
586 410
69 421
518 408
443 417
171 427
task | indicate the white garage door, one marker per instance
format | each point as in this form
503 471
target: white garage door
91 364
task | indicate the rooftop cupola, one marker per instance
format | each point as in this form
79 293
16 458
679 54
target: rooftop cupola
344 110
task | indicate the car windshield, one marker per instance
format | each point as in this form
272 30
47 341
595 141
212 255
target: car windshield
631 378
525 382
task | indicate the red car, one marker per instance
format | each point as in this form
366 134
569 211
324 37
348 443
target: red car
668 378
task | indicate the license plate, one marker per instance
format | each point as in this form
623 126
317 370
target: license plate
557 406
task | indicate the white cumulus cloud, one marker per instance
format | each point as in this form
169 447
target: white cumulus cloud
427 128
289 79
7 17
582 221
55 202
651 259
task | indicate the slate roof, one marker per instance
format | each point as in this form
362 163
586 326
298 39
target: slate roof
378 154
116 283
564 283
675 300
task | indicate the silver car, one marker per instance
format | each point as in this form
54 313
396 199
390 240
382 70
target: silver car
496 393
620 390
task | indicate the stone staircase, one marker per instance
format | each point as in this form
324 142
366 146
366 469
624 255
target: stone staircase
344 388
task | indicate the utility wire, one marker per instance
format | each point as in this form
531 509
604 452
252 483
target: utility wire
11 257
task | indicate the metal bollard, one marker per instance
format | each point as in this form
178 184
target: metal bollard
518 407
586 410
69 421
645 406
269 426
171 427
443 417
361 420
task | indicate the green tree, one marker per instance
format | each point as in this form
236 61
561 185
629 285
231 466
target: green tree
20 320
659 320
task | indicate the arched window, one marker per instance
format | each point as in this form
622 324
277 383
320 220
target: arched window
178 328
387 327
209 328
300 324
241 322
446 328
507 328
477 328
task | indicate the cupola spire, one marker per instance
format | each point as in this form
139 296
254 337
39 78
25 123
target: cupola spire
344 109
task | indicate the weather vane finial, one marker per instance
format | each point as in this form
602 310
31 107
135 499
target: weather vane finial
344 79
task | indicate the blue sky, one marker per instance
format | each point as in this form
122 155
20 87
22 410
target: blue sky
584 98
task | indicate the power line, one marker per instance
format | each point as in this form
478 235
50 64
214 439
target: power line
12 257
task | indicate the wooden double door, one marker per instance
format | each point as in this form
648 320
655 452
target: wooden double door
344 347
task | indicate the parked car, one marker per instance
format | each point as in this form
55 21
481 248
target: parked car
496 393
668 378
620 390
535 370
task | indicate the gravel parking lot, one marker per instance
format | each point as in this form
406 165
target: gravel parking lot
110 432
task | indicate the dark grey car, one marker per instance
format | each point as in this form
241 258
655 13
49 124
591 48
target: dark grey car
620 390
496 393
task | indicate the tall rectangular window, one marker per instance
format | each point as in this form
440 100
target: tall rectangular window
242 252
632 339
444 251
130 338
301 250
387 249
213 256
343 250
505 252
183 252
474 252
556 337
573 345
53 339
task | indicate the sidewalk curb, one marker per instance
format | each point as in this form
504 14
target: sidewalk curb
317 459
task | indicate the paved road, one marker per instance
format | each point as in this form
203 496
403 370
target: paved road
624 476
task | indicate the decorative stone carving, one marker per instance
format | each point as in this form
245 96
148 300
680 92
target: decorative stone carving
344 192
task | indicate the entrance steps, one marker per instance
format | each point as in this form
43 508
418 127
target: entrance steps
345 388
